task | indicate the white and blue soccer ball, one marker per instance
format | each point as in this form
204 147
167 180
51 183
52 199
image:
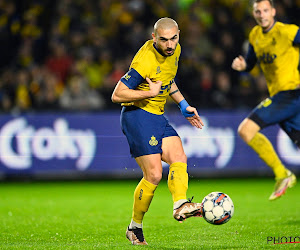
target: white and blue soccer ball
218 208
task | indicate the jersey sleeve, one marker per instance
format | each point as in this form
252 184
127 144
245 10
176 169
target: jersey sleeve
297 38
139 69
251 58
132 79
142 66
291 31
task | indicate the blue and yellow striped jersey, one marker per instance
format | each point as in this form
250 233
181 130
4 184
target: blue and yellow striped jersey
148 62
277 56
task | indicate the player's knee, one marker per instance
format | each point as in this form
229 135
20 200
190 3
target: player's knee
248 129
175 156
183 157
154 177
180 157
242 131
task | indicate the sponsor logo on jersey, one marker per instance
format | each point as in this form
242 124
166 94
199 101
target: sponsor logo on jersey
267 58
166 87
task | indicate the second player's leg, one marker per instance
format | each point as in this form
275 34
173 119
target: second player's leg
248 129
292 128
249 132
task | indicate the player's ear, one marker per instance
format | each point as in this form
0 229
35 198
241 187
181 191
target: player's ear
154 38
273 12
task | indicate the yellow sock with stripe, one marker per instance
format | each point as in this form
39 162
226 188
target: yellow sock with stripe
178 181
143 195
263 147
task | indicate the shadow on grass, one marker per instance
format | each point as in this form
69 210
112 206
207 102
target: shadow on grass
291 222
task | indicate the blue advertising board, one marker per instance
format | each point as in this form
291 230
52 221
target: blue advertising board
92 144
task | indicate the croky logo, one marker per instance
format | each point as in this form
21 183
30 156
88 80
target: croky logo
153 141
283 239
267 58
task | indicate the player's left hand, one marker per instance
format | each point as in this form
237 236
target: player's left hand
194 120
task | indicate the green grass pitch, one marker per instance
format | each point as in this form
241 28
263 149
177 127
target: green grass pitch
95 214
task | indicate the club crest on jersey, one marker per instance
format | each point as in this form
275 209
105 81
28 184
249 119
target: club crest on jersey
158 70
153 141
127 77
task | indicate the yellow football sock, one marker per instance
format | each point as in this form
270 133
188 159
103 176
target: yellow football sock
143 195
263 147
178 180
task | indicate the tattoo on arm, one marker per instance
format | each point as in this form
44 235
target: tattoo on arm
174 92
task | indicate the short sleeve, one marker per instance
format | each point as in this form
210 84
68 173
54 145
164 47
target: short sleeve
297 38
132 79
291 31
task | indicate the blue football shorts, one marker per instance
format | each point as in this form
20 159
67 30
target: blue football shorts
144 131
283 109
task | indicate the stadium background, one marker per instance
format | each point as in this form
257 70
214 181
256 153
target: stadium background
60 61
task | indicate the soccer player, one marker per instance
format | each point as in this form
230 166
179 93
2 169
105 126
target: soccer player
143 91
275 46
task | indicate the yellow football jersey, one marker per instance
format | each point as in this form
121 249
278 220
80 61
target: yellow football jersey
277 56
148 62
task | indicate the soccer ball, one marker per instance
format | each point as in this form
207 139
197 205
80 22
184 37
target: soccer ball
217 208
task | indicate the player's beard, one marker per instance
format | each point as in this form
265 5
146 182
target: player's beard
169 52
165 52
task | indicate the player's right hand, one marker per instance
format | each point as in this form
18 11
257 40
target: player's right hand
239 63
154 87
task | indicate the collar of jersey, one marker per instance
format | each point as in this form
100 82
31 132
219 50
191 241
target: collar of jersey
269 28
158 50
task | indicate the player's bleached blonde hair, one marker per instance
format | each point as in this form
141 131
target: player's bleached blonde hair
164 23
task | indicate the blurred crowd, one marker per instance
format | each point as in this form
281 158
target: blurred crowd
68 55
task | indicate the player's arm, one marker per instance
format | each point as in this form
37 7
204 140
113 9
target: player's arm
125 89
190 113
245 64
